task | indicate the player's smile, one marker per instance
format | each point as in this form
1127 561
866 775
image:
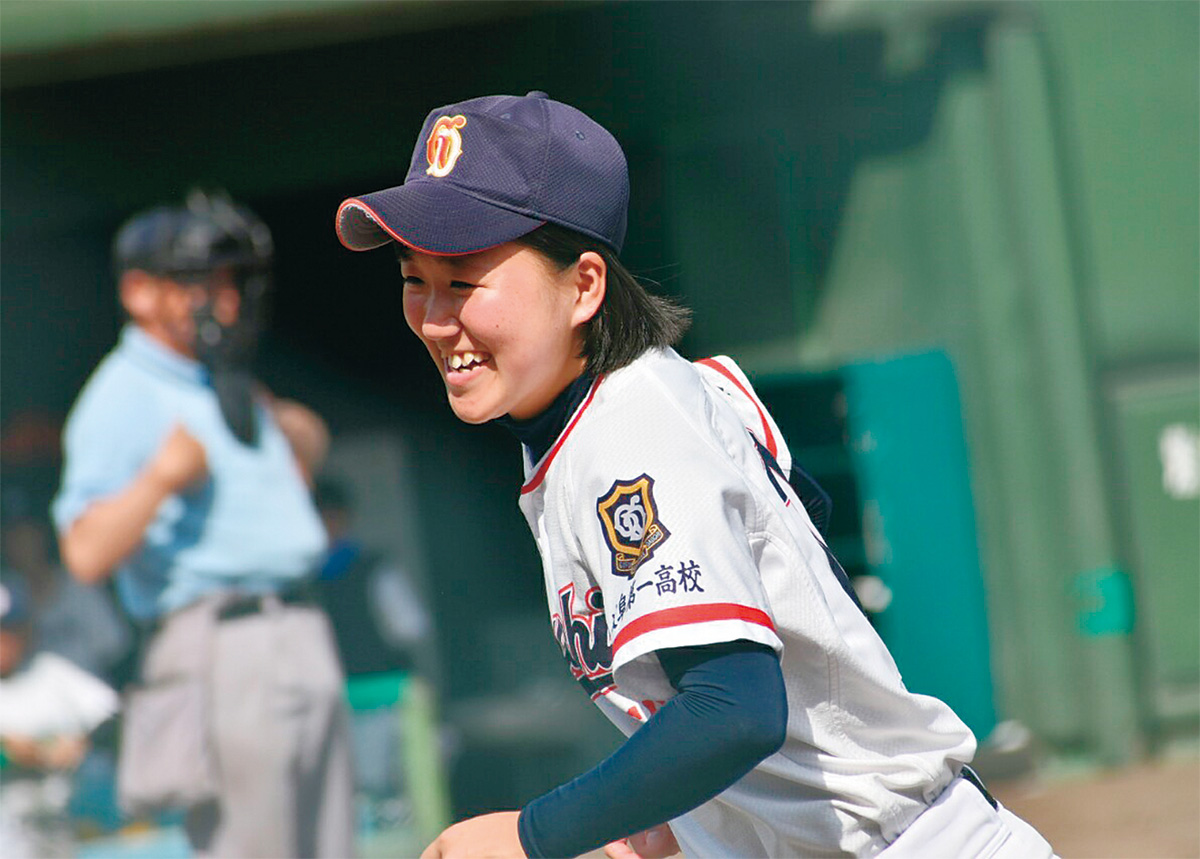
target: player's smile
459 365
502 326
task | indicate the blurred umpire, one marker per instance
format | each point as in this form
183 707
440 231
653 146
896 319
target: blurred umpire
186 480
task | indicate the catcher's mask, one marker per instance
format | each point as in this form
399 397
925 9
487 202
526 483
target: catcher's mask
190 244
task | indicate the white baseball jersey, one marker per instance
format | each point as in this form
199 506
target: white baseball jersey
661 523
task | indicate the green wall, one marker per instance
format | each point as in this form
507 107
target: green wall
1128 77
1044 233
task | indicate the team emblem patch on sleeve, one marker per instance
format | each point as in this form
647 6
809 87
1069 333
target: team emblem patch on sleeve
630 522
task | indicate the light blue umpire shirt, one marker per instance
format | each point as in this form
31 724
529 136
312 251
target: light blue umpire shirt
251 525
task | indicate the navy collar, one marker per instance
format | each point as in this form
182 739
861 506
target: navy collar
538 433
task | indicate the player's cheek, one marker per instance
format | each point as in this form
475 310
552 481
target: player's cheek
414 312
414 317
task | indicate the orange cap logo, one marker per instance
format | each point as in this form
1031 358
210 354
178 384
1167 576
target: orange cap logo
444 145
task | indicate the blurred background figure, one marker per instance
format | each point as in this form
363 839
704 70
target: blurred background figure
80 623
380 618
77 621
305 431
48 708
179 479
385 635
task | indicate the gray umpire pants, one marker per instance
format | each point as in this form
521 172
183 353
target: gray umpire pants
279 729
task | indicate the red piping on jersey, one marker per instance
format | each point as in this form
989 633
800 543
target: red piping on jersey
536 480
724 371
683 615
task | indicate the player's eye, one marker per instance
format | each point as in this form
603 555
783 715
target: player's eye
409 280
461 285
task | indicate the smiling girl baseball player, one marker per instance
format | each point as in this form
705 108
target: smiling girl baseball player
692 595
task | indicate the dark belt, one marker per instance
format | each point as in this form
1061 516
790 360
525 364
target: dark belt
971 776
244 605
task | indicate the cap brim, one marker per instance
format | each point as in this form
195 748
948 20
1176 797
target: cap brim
431 217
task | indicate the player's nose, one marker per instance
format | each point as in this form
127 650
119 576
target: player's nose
439 317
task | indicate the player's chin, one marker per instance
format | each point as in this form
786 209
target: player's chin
470 412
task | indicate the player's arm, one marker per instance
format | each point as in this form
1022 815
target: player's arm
730 713
111 528
56 753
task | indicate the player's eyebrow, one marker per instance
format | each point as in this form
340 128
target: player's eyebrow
469 268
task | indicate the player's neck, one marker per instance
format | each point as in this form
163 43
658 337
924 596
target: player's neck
539 432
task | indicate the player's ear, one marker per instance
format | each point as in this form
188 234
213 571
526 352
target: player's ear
140 295
591 282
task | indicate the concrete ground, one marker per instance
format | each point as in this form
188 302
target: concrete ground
1148 811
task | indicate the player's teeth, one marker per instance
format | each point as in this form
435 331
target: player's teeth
459 360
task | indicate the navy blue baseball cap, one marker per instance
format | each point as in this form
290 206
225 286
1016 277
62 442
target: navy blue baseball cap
491 169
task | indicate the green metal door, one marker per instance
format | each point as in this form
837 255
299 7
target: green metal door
885 440
910 457
1157 422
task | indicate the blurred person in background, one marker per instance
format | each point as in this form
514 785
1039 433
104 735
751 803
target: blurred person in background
48 708
181 480
380 618
76 621
383 627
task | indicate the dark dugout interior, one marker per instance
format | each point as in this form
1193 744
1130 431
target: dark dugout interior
293 133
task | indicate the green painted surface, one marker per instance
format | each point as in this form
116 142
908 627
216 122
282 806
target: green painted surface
983 240
1002 394
1039 208
926 258
1105 602
42 25
1128 80
906 440
1158 427
373 691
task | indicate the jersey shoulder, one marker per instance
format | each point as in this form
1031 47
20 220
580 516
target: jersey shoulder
655 417
658 401
663 394
726 381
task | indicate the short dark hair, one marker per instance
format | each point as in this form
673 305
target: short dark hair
630 320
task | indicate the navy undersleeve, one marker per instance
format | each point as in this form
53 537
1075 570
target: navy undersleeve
730 713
